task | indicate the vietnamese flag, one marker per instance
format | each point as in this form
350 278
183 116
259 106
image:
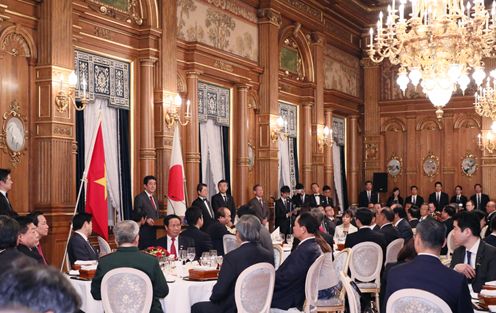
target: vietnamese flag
176 203
96 187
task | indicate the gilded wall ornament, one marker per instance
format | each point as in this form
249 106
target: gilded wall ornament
430 165
469 164
14 133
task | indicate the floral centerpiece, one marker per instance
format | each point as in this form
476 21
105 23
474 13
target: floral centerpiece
158 252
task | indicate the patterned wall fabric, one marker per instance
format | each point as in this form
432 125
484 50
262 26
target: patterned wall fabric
213 103
105 78
289 113
338 130
342 71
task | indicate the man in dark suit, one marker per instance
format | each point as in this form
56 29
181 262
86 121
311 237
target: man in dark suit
316 199
367 196
327 196
414 198
79 248
479 199
447 220
363 218
300 199
438 197
473 258
147 202
203 242
458 197
413 214
40 221
202 203
223 199
384 219
427 273
173 241
5 186
127 255
235 262
219 228
259 205
284 211
401 223
330 221
28 238
9 233
491 238
491 215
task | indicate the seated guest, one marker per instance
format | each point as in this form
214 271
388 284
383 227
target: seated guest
345 228
469 206
363 219
9 233
265 239
289 289
284 211
319 216
329 220
402 224
458 198
127 255
424 212
28 238
172 241
41 224
79 248
394 198
447 219
414 198
482 216
219 228
491 214
413 214
384 220
426 272
38 288
235 262
140 218
473 258
373 224
202 240
327 196
491 239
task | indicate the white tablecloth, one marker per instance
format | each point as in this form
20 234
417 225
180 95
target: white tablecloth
182 295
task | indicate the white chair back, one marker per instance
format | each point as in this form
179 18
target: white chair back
278 255
450 242
320 275
67 262
483 232
255 282
342 260
230 243
416 300
351 293
366 262
126 289
393 249
104 246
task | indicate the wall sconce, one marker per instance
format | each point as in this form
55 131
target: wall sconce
278 129
173 104
324 137
66 96
487 141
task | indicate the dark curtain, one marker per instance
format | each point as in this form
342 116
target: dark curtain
199 151
125 164
295 153
343 177
225 149
80 162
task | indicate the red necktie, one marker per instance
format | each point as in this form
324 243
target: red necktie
41 253
153 202
173 247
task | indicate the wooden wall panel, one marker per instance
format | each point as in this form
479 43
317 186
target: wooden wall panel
394 143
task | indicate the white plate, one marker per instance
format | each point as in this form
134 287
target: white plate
492 308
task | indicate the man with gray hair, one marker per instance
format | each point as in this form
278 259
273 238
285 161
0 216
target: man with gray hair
249 253
127 255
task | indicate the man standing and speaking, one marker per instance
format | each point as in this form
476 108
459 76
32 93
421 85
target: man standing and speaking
147 202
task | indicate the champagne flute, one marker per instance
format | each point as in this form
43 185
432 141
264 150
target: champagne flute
191 253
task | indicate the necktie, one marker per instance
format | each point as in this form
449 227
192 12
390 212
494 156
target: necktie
414 198
208 208
40 251
261 202
469 256
225 198
438 196
478 200
153 202
173 247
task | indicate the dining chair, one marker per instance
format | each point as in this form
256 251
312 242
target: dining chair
342 260
416 300
393 249
104 246
351 293
278 255
450 242
255 282
230 243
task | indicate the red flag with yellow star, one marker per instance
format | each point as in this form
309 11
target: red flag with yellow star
96 187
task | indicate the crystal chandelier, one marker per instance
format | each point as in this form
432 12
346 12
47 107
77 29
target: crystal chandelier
485 98
441 43
487 141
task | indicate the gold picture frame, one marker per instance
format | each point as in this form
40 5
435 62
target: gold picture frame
430 165
394 166
469 164
14 136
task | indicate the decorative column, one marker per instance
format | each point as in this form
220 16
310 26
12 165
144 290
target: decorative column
448 157
354 159
147 129
192 146
318 109
240 176
266 149
328 167
412 156
306 145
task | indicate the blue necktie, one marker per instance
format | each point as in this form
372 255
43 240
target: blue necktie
469 256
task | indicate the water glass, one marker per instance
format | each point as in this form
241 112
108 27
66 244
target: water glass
289 239
182 255
191 253
282 237
219 260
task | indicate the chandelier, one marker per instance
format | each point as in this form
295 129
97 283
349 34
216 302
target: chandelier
485 98
439 46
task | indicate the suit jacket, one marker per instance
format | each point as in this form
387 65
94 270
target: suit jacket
444 200
13 257
414 222
261 211
143 203
6 207
363 200
289 289
131 257
405 230
485 268
218 202
208 214
390 201
217 231
80 249
489 218
365 234
428 273
313 201
330 226
184 242
390 233
32 253
462 200
418 201
491 240
482 204
234 263
282 221
326 201
203 242
300 201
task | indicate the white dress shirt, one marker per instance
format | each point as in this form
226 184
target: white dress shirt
473 256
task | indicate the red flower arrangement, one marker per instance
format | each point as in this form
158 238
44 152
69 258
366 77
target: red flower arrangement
157 252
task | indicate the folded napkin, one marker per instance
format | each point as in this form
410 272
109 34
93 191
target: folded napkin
491 283
89 267
92 262
73 273
276 235
204 268
488 293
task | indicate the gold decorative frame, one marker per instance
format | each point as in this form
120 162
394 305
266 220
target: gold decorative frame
394 166
14 112
469 164
430 165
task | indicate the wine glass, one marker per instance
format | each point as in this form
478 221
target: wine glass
182 255
219 260
191 253
282 237
289 239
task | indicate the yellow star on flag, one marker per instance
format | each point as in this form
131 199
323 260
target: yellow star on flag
103 181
